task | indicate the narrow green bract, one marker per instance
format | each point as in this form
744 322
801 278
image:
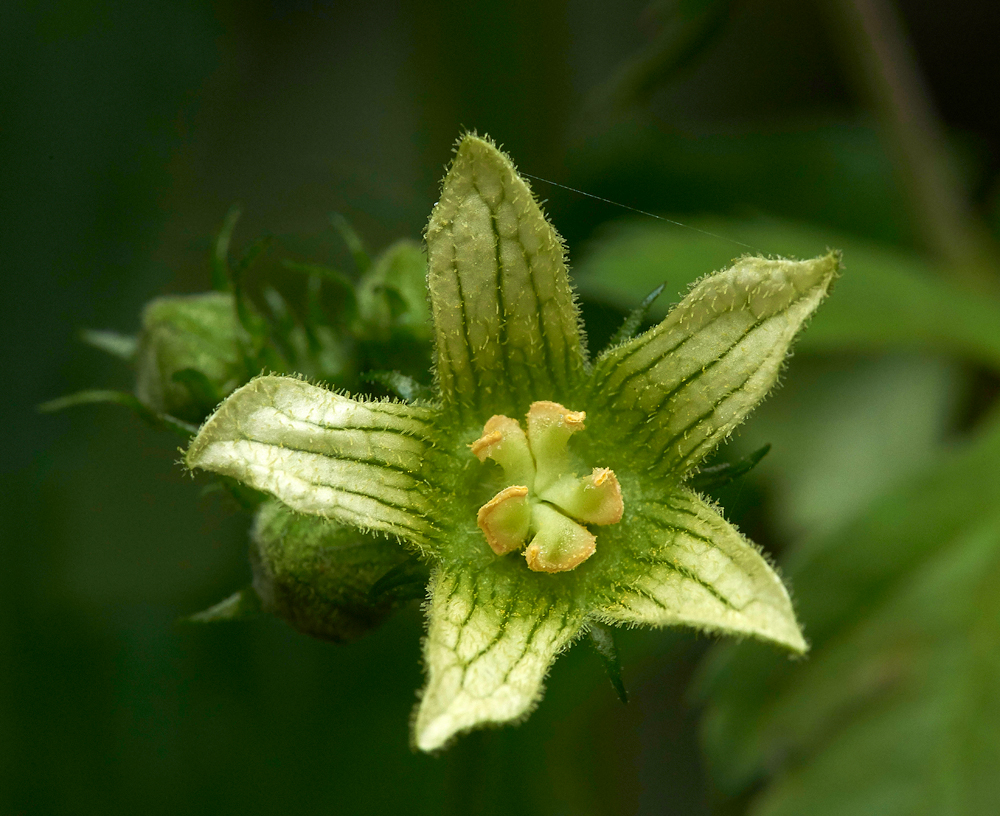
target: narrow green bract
507 336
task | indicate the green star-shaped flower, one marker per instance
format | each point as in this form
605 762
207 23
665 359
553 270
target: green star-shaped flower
581 515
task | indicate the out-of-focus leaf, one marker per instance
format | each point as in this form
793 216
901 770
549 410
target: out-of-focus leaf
885 298
897 709
844 430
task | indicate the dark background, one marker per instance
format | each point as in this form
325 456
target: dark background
127 130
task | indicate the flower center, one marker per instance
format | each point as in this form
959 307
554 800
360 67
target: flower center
545 505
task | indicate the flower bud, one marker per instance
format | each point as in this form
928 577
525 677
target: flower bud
188 333
318 575
392 296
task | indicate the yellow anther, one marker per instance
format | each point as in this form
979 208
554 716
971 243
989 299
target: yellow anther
504 442
483 446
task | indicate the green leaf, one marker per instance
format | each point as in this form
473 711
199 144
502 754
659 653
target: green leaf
693 568
122 346
243 604
361 463
603 639
897 709
489 645
130 401
506 324
682 387
886 299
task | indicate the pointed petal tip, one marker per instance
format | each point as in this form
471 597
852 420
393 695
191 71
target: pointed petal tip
434 735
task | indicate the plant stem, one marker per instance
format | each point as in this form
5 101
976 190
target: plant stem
885 67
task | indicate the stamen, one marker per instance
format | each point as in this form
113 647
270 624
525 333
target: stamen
560 544
546 499
550 425
593 499
504 442
505 519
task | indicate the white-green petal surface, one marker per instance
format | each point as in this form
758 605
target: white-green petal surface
505 321
681 388
695 569
360 463
487 652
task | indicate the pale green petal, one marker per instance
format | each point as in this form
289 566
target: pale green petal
506 325
361 463
681 388
490 642
694 568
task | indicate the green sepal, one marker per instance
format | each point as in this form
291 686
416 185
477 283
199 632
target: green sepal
350 237
245 497
674 393
405 581
319 576
341 284
221 279
366 464
252 333
241 605
635 318
122 346
130 401
506 324
716 476
603 640
201 388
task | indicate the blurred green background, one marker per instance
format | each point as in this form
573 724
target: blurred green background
129 129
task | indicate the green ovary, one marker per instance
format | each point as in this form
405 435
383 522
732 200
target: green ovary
545 505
